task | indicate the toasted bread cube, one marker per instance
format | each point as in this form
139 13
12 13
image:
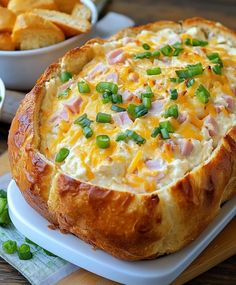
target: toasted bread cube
4 3
66 6
70 25
6 42
32 31
22 6
81 11
7 20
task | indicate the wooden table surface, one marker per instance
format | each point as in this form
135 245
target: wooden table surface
143 11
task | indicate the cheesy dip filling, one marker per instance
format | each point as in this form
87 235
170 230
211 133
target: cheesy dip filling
143 112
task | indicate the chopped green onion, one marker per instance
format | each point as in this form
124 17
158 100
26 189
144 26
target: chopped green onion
156 53
106 97
195 42
3 204
116 98
121 137
64 93
62 154
190 82
83 121
153 71
215 58
107 86
173 94
9 246
217 69
142 55
147 102
65 76
131 110
177 45
135 137
83 87
155 132
172 111
177 51
88 132
139 111
117 108
167 50
176 80
103 141
190 71
165 134
24 252
146 46
202 94
103 118
4 217
167 125
148 93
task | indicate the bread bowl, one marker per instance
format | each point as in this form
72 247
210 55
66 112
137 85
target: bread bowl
162 168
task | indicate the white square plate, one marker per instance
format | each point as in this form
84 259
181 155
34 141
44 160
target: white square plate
149 272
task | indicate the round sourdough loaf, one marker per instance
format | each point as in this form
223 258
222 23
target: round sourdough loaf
168 159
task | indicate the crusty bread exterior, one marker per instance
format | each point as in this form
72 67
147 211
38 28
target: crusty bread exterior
31 32
65 5
81 11
70 25
6 42
19 6
128 225
4 3
7 20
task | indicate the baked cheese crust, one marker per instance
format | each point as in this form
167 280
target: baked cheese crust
129 143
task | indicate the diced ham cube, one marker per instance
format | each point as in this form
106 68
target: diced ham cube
122 119
133 76
98 69
229 102
155 164
62 116
73 104
116 56
186 147
127 95
157 107
113 77
211 125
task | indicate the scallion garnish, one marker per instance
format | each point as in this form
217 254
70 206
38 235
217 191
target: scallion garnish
116 98
121 136
195 42
117 108
142 55
83 87
135 137
155 132
65 76
172 111
167 50
103 118
165 134
176 80
167 125
107 86
103 141
148 93
217 69
190 82
190 71
62 154
88 132
64 94
146 46
156 53
137 111
153 71
215 58
106 97
83 121
202 94
147 102
173 94
178 48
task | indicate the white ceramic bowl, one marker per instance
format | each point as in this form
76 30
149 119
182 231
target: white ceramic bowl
20 69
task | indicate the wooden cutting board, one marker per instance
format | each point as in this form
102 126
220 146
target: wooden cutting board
221 248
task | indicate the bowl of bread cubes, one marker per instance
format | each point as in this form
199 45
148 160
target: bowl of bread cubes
35 33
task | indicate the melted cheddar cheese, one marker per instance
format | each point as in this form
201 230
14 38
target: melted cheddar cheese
147 167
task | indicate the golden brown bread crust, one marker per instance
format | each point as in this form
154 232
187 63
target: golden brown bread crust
127 225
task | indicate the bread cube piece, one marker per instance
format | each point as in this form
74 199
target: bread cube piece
31 32
6 42
66 6
7 20
4 3
70 25
22 6
81 11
